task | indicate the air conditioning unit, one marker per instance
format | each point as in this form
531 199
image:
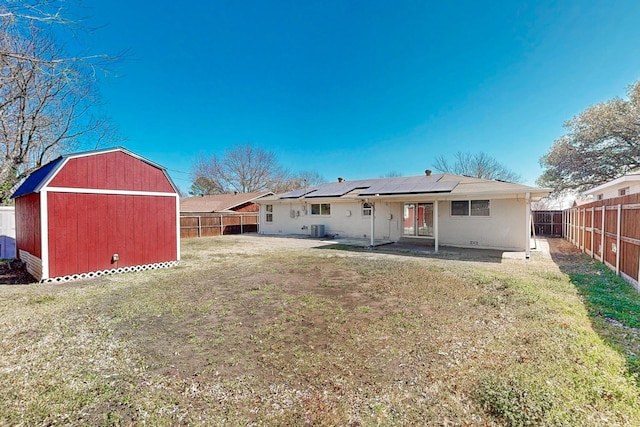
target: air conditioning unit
317 230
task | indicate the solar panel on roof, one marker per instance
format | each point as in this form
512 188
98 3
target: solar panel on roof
335 189
297 193
410 185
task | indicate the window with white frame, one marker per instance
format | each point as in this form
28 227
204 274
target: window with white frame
470 208
480 208
320 209
366 209
623 191
460 208
600 196
269 215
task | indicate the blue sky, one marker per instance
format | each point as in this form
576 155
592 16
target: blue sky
358 89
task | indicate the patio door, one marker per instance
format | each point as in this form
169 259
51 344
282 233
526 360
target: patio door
418 220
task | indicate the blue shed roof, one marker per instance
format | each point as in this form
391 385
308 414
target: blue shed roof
38 177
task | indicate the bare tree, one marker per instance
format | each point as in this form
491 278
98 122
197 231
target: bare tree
479 165
602 143
47 97
243 168
299 180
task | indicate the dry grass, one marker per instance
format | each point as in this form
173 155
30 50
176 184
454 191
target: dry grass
240 334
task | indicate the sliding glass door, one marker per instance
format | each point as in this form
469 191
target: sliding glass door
418 219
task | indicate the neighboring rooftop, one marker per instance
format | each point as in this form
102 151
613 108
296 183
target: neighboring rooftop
219 202
630 177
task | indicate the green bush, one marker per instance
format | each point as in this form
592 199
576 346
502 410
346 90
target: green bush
514 401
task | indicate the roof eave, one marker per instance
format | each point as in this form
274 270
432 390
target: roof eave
617 181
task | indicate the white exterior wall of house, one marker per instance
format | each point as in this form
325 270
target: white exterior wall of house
505 228
629 183
614 190
346 219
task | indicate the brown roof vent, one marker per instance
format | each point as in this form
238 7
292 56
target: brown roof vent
428 172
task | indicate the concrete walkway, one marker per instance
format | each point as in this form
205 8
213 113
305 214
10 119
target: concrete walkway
538 245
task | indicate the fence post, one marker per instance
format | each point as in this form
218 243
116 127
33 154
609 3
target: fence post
199 226
576 237
221 225
570 226
584 229
618 229
593 227
241 216
602 249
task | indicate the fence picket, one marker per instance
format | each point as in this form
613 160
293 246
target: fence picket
619 246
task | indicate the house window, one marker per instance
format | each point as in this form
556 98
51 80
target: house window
269 216
366 209
600 196
320 209
470 208
623 191
460 208
480 208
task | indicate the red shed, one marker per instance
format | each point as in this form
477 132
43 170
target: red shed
97 212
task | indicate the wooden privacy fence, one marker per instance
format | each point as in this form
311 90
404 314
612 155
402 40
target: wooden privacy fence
548 223
609 230
217 224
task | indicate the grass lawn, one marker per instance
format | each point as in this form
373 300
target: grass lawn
244 332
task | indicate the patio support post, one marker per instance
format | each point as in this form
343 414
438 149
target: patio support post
435 225
373 224
527 221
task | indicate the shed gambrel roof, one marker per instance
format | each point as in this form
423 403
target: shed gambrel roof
40 177
34 182
423 185
219 202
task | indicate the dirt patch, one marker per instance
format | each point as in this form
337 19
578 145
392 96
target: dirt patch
252 330
569 258
14 273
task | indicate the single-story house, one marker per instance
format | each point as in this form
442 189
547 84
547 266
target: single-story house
622 186
218 214
434 209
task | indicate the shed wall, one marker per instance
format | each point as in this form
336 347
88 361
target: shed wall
86 230
28 236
